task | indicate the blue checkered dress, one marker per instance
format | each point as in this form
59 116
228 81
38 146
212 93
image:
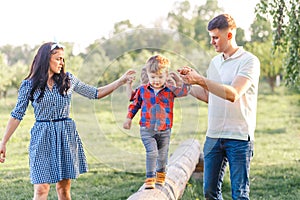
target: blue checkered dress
55 149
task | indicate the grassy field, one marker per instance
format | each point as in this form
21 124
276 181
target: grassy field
116 156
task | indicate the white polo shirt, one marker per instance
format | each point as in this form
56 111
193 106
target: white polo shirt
233 120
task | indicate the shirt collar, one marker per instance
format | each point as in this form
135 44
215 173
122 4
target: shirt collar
149 86
236 54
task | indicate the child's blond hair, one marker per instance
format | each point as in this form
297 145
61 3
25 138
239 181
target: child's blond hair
158 64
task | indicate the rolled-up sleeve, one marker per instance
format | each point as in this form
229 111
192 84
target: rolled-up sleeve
23 100
182 91
135 104
83 89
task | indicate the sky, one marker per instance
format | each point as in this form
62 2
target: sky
84 21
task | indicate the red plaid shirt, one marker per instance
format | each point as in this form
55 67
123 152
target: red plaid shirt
156 109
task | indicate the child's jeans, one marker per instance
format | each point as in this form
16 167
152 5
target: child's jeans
156 144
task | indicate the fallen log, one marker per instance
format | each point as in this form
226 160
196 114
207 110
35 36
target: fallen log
182 164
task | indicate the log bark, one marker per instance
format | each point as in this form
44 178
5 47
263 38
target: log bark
182 164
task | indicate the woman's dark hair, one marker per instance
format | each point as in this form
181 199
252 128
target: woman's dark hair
39 72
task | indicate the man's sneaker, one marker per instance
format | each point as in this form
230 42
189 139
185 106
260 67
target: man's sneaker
150 183
160 178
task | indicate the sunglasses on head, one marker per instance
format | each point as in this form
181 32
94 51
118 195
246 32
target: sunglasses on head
56 45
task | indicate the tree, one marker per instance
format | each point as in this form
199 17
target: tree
261 30
271 64
204 14
261 45
3 76
180 19
192 22
122 26
19 72
10 76
285 19
240 37
72 62
94 65
14 54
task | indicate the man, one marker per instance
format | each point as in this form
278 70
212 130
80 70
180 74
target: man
230 90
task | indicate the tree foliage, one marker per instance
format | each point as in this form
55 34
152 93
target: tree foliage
261 30
261 45
185 42
192 22
285 19
10 76
271 64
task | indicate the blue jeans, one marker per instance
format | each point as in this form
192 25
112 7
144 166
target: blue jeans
156 144
217 153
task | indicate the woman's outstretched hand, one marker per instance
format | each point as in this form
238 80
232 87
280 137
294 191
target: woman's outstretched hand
128 76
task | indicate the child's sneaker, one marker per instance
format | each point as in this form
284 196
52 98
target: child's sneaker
160 178
150 183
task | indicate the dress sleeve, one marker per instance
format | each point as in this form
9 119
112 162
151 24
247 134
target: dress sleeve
23 100
82 88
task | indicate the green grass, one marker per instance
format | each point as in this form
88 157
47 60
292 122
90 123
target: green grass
117 160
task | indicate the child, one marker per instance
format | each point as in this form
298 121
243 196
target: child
155 99
173 79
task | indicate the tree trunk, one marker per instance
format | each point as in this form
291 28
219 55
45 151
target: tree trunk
272 81
182 164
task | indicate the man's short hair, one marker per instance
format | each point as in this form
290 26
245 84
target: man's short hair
223 21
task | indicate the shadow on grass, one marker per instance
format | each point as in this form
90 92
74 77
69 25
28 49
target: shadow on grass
272 131
107 184
99 183
274 182
15 184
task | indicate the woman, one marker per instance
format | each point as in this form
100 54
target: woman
56 154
